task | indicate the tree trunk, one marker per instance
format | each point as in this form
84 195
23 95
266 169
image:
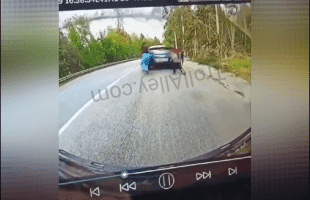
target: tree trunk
217 21
195 44
217 31
233 38
182 31
209 25
245 34
175 40
222 38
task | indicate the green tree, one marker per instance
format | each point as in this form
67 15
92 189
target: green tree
70 59
156 40
80 50
208 35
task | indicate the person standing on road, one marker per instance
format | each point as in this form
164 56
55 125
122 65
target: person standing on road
147 61
182 56
178 58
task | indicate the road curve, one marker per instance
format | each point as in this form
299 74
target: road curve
76 93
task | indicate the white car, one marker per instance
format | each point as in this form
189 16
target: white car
165 57
162 56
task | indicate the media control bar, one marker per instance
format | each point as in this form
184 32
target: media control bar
133 183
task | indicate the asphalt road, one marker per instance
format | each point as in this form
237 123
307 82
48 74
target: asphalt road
76 93
149 120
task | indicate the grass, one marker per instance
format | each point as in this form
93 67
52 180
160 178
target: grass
240 67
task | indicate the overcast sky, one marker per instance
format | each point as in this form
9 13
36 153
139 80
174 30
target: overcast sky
151 27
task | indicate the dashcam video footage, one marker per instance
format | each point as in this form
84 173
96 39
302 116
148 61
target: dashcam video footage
155 85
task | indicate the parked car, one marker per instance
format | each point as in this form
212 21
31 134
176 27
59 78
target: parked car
161 57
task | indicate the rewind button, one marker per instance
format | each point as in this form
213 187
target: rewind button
126 186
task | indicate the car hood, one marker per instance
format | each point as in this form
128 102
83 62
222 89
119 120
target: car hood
72 166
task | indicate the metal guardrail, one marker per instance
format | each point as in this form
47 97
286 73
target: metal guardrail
93 69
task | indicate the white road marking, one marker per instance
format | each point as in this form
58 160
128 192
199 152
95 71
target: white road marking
88 104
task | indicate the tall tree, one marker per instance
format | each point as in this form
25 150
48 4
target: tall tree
156 40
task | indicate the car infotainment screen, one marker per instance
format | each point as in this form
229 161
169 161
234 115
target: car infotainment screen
142 88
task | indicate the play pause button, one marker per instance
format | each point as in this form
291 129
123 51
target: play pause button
166 181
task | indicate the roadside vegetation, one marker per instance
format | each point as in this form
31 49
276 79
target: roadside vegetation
209 36
79 49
